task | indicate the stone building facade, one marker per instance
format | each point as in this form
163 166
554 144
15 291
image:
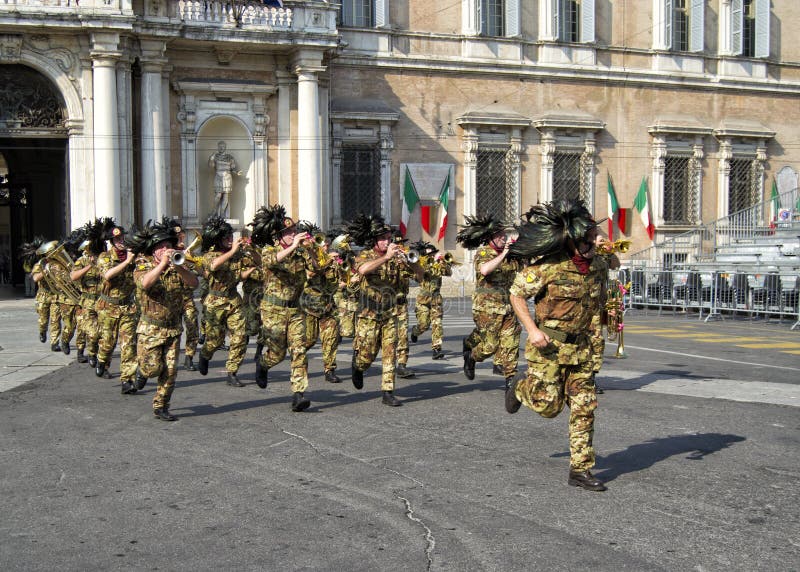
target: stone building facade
113 107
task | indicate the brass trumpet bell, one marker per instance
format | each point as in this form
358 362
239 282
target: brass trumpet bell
412 256
177 258
341 242
319 240
195 243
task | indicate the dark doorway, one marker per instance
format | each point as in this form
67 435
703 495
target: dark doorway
33 198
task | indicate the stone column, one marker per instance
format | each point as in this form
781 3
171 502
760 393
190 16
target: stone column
548 151
153 139
309 138
285 84
658 152
106 130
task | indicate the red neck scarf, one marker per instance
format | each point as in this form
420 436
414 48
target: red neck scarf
582 264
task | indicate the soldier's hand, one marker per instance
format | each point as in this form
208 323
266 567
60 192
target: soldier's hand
393 250
300 237
538 338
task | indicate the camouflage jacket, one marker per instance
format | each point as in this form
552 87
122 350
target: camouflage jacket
566 301
381 288
116 295
162 304
491 292
431 284
43 292
284 281
89 282
223 281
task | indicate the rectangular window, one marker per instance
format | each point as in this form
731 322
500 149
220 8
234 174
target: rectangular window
680 25
569 18
740 186
360 180
493 17
495 192
357 13
566 176
749 29
677 190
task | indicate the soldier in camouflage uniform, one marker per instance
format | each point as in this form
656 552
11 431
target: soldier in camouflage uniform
222 310
381 265
85 272
285 268
116 311
189 314
496 332
31 261
402 313
253 291
428 308
317 301
161 286
566 286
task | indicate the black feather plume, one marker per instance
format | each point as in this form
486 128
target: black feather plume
551 227
478 230
140 240
215 229
364 229
267 224
27 251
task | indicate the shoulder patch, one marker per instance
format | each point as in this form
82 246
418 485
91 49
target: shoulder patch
529 279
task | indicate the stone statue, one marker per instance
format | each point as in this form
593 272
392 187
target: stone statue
224 166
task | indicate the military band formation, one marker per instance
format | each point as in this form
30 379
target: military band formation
288 285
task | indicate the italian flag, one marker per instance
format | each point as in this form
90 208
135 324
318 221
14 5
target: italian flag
444 201
410 200
615 211
643 206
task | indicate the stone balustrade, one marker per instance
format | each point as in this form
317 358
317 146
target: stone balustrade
223 13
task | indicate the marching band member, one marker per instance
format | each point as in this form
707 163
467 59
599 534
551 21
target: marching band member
565 283
428 308
401 307
116 311
380 265
46 301
252 292
222 308
496 332
285 269
161 285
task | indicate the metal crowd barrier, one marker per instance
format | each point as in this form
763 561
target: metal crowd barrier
713 293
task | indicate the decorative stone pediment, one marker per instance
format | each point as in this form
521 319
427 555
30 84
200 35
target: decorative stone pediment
743 129
679 125
493 119
568 122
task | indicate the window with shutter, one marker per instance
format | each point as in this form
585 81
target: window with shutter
761 48
737 25
697 22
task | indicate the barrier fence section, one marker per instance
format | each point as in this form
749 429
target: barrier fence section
713 293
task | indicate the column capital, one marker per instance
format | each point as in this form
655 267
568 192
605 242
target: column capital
307 61
105 44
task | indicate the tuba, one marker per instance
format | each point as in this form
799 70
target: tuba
56 270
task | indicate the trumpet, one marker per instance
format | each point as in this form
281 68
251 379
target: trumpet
319 240
615 311
607 248
411 255
341 243
177 258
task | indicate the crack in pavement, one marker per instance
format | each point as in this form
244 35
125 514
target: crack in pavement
304 440
431 541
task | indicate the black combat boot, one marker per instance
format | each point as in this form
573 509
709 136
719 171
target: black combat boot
402 371
300 403
92 361
202 365
585 480
80 358
358 378
262 375
127 388
390 400
43 337
469 365
259 350
141 380
497 370
189 364
55 347
65 348
201 340
163 414
512 403
437 353
331 377
99 369
233 381
414 336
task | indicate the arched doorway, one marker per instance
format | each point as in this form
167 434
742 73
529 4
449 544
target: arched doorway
33 144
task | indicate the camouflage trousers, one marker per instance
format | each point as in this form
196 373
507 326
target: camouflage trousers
598 343
496 335
548 386
252 314
43 315
157 352
284 329
401 351
374 335
55 323
429 315
223 315
122 329
191 326
69 322
88 330
348 310
326 329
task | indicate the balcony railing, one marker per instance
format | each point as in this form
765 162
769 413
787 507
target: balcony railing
213 12
66 6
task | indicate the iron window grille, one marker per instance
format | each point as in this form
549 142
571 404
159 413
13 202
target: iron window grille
496 191
679 190
360 180
567 176
742 185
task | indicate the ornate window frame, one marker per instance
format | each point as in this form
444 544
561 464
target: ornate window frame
361 121
489 130
568 132
682 138
743 140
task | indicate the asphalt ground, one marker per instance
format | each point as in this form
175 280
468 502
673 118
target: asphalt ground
697 436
